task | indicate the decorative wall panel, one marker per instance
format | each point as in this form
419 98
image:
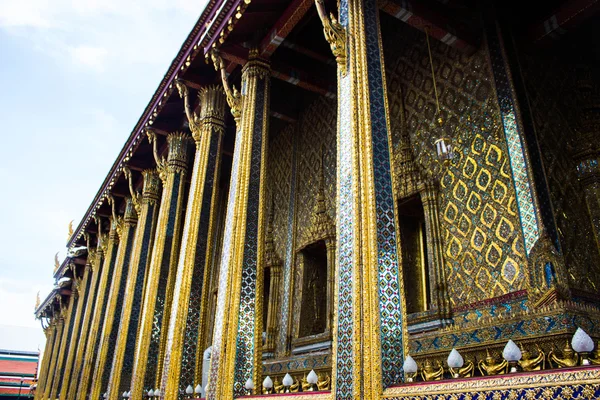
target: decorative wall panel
552 95
482 239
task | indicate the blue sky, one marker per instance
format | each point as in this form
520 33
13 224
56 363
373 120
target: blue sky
75 77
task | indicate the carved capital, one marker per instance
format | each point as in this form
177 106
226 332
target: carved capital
212 114
335 34
151 191
177 159
256 67
130 216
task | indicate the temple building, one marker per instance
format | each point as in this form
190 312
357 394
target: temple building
359 199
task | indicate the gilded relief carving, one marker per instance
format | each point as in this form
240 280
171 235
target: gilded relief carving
316 171
482 242
555 120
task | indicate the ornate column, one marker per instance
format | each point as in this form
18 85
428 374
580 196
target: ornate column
370 332
237 338
183 356
437 276
92 346
94 260
274 264
50 332
112 317
122 366
60 324
81 306
158 295
65 343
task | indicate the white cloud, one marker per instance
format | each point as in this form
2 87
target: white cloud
89 56
81 31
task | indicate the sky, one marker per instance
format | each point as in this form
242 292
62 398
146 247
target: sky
75 77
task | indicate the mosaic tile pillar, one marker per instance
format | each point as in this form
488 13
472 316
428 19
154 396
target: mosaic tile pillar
50 347
533 199
112 316
122 366
93 339
65 342
370 322
60 324
82 303
184 350
151 336
237 338
95 261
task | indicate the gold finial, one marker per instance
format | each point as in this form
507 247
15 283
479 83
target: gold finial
70 230
233 95
56 262
335 34
37 300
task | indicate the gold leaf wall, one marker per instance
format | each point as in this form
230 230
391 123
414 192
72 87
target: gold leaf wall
279 171
482 243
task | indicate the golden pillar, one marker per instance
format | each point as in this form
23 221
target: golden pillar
114 305
93 339
94 260
65 342
51 336
183 356
158 295
122 366
81 306
60 324
370 332
237 338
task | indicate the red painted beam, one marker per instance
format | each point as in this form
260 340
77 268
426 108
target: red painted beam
284 26
302 80
566 17
421 16
309 53
239 55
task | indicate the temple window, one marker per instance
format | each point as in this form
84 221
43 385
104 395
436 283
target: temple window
411 218
313 312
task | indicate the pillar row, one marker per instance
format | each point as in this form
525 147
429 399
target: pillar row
151 338
122 365
114 305
96 259
81 306
93 339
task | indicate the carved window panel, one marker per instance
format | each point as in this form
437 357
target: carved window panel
313 310
314 296
415 263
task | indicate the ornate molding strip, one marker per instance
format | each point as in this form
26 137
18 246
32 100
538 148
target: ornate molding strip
582 382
